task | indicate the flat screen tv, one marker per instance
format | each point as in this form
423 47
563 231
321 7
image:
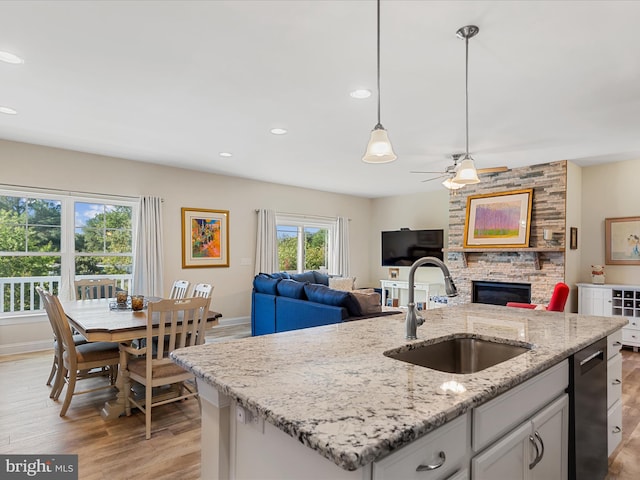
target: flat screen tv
401 248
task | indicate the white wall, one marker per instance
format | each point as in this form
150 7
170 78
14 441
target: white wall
31 165
608 191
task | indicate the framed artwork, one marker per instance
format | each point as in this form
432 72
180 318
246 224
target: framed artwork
498 219
205 238
622 241
573 238
394 273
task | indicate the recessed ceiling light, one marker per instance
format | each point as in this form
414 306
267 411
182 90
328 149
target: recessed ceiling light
361 93
8 110
10 57
226 154
278 131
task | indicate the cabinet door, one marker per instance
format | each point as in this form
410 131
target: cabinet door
508 458
595 301
551 431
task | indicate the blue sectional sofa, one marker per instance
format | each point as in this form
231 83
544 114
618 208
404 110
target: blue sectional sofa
282 302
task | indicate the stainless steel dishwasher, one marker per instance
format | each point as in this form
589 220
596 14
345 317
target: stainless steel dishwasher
588 413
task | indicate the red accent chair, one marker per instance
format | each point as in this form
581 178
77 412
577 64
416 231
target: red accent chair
556 304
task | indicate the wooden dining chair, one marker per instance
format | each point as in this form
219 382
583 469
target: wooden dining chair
87 289
179 289
56 368
155 368
81 361
202 290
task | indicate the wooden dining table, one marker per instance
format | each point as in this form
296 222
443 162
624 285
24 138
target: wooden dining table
97 322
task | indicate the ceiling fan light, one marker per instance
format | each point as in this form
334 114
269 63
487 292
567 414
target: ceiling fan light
379 149
467 173
451 185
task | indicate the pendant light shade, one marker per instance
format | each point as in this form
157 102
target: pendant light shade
467 173
379 149
451 185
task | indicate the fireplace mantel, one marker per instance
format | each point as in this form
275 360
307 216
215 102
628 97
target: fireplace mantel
535 250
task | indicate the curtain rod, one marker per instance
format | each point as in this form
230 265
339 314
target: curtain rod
304 215
67 192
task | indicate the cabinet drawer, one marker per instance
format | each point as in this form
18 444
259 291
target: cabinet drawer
614 343
630 337
498 416
451 439
614 424
614 380
634 323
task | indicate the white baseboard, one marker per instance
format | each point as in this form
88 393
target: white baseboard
16 348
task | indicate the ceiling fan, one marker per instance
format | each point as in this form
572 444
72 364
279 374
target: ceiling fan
450 170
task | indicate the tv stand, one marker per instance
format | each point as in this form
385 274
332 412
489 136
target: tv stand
395 286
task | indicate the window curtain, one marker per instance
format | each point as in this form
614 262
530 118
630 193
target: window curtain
148 266
341 256
266 242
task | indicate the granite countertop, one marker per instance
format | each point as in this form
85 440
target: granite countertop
332 388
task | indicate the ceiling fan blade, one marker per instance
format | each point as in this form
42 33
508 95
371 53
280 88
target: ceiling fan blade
492 170
432 173
435 178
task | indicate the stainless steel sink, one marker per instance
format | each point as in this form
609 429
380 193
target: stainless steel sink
459 355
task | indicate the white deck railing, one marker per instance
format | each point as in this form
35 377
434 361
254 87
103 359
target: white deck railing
18 294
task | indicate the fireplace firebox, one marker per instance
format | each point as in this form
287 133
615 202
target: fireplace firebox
499 293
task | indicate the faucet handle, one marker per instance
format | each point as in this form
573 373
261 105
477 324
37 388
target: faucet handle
419 318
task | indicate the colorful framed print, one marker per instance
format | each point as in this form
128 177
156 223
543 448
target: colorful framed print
498 219
205 238
622 241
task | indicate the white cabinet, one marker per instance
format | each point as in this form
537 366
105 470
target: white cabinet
614 391
441 454
537 449
395 288
613 301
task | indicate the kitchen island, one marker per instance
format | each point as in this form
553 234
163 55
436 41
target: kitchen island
334 393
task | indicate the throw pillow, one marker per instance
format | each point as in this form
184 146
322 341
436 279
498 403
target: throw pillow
291 288
342 283
321 278
304 277
369 301
265 284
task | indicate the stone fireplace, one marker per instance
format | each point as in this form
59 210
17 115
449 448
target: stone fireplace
540 269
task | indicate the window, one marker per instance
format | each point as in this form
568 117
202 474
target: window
45 238
304 243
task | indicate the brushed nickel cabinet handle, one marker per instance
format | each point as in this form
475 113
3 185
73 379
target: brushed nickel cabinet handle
427 468
616 382
616 430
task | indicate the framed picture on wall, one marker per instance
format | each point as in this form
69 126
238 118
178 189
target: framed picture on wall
622 241
498 219
394 273
573 238
205 238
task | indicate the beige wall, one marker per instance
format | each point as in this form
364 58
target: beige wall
609 190
416 211
31 165
573 219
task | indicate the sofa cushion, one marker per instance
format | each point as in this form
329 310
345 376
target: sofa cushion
291 288
304 277
337 298
265 284
279 275
342 283
321 278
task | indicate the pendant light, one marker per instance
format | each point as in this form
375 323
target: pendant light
379 149
467 173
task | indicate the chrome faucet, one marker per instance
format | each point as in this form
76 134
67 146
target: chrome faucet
413 318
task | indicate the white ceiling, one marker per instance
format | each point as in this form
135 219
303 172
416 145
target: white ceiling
177 82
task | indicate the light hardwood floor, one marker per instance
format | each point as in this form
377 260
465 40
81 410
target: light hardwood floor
116 449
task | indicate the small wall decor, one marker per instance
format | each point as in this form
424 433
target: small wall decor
394 273
573 238
498 219
622 241
597 274
205 238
